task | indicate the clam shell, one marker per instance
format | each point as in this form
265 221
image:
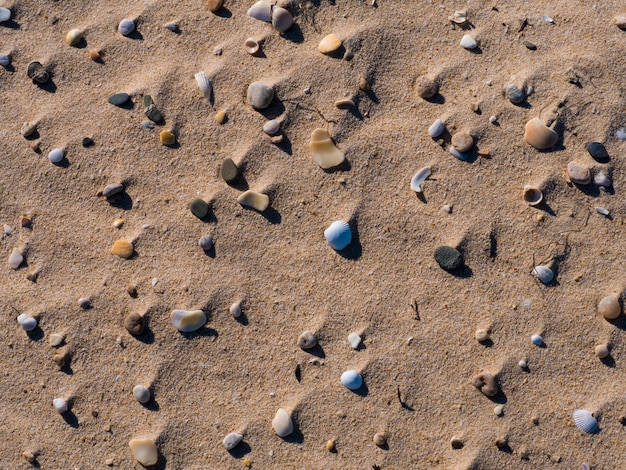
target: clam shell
205 85
585 421
232 440
281 19
539 135
252 46
532 195
351 379
338 235
126 27
324 151
436 128
261 10
282 424
188 320
544 274
329 44
419 178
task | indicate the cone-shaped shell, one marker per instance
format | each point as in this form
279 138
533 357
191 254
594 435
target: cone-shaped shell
324 151
188 320
539 135
338 235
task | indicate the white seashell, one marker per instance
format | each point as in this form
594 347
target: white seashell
282 424
126 27
252 46
5 60
602 210
205 85
27 322
621 133
544 274
547 19
468 42
459 17
56 155
188 320
532 195
231 440
354 340
60 405
326 154
281 19
261 10
600 179
338 235
141 393
5 15
419 178
235 310
436 128
537 340
461 156
172 26
15 258
351 379
585 421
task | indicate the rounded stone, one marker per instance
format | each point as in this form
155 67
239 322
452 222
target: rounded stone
448 258
260 95
514 94
329 44
271 127
141 394
27 322
537 340
5 14
351 379
37 73
60 405
598 151
199 208
56 155
307 340
144 451
601 351
229 170
119 99
232 440
214 5
481 335
578 173
425 87
462 141
188 321
282 424
235 310
56 339
380 439
486 384
206 243
112 189
456 443
609 307
134 324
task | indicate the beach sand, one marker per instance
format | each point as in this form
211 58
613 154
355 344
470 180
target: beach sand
233 374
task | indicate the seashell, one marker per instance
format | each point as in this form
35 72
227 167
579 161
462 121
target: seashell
261 10
462 141
459 17
324 151
620 21
486 384
338 235
167 137
351 379
254 200
15 258
544 274
354 340
609 307
73 36
27 322
5 15
419 178
602 211
259 95
60 405
271 127
539 135
461 156
585 421
144 451
425 87
172 26
232 440
281 19
206 243
578 173
468 42
514 94
122 248
126 27
436 128
141 394
282 424
307 340
188 320
537 340
235 310
56 155
329 44
344 104
621 133
5 60
205 85
214 5
252 46
532 195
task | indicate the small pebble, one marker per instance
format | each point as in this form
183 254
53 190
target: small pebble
448 258
514 94
426 87
486 384
27 322
271 127
134 324
259 95
84 303
220 117
144 451
462 141
522 364
282 424
199 208
329 44
229 170
493 120
172 26
119 99
609 307
87 142
141 394
254 200
530 45
205 242
56 339
167 137
56 155
5 14
620 21
126 27
60 405
214 5
307 340
456 443
598 151
151 111
37 73
28 129
235 310
188 320
502 442
276 139
481 335
578 173
118 223
601 351
600 179
537 340
380 439
131 290
112 189
354 340
468 42
73 37
29 456
351 379
281 19
94 55
330 445
122 248
364 84
232 440
436 128
8 231
15 258
61 358
498 410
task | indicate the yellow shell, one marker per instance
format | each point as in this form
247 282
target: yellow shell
329 44
220 117
166 137
73 36
122 248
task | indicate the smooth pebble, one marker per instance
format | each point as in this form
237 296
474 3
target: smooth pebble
167 137
232 440
537 340
468 42
5 60
56 155
544 274
27 322
448 258
601 179
601 351
498 410
141 394
15 258
540 136
254 200
126 27
578 173
214 5
235 310
60 405
261 10
281 19
462 141
338 235
271 127
329 44
620 21
425 87
481 335
598 151
56 339
351 379
188 320
282 424
206 243
84 303
354 340
307 340
199 208
259 95
379 439
5 14
144 451
229 170
436 128
112 189
609 307
514 94
73 37
119 99
134 324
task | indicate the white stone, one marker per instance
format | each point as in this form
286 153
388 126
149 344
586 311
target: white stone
145 451
436 128
235 310
282 424
55 155
354 340
27 322
16 258
231 440
126 27
5 15
60 405
498 410
271 127
522 364
468 42
351 379
8 231
141 393
537 340
188 320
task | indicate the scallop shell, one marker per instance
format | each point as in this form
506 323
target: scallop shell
281 19
261 11
126 27
585 421
544 274
419 178
188 320
205 85
252 46
436 128
532 195
539 135
324 151
338 235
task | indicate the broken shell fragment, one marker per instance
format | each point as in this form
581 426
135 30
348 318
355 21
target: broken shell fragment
254 200
252 46
15 258
539 135
261 10
281 19
324 151
188 320
419 178
329 44
544 274
532 195
468 42
144 451
205 85
578 173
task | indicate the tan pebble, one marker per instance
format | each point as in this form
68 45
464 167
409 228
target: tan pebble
247 462
144 451
122 248
578 173
167 137
131 290
502 442
35 147
484 152
620 21
481 335
330 445
29 456
601 351
254 200
462 141
326 154
425 87
329 44
344 104
117 223
73 36
276 139
486 383
134 324
380 439
61 358
214 5
539 135
364 84
56 339
220 117
609 307
28 129
94 55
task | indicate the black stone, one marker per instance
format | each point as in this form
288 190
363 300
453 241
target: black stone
154 114
530 46
88 142
119 99
598 151
229 170
37 73
199 208
448 258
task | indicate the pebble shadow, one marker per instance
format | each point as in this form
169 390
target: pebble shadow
147 337
152 405
608 361
463 272
294 34
240 450
242 319
49 86
223 12
499 398
64 163
354 250
70 418
202 332
122 201
11 24
161 463
317 351
36 334
437 99
274 110
272 216
210 252
285 145
362 391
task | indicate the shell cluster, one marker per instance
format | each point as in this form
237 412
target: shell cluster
280 17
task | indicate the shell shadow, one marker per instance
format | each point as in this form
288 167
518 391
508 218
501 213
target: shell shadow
608 361
294 34
462 272
437 99
354 250
11 24
223 12
317 351
240 450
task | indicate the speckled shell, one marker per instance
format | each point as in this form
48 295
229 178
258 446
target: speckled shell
338 235
585 421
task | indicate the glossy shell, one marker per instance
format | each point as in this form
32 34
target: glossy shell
188 320
351 379
205 85
261 10
126 27
338 235
539 135
532 195
544 274
585 421
419 178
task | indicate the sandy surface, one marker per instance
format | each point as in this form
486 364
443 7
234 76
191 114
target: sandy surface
233 375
